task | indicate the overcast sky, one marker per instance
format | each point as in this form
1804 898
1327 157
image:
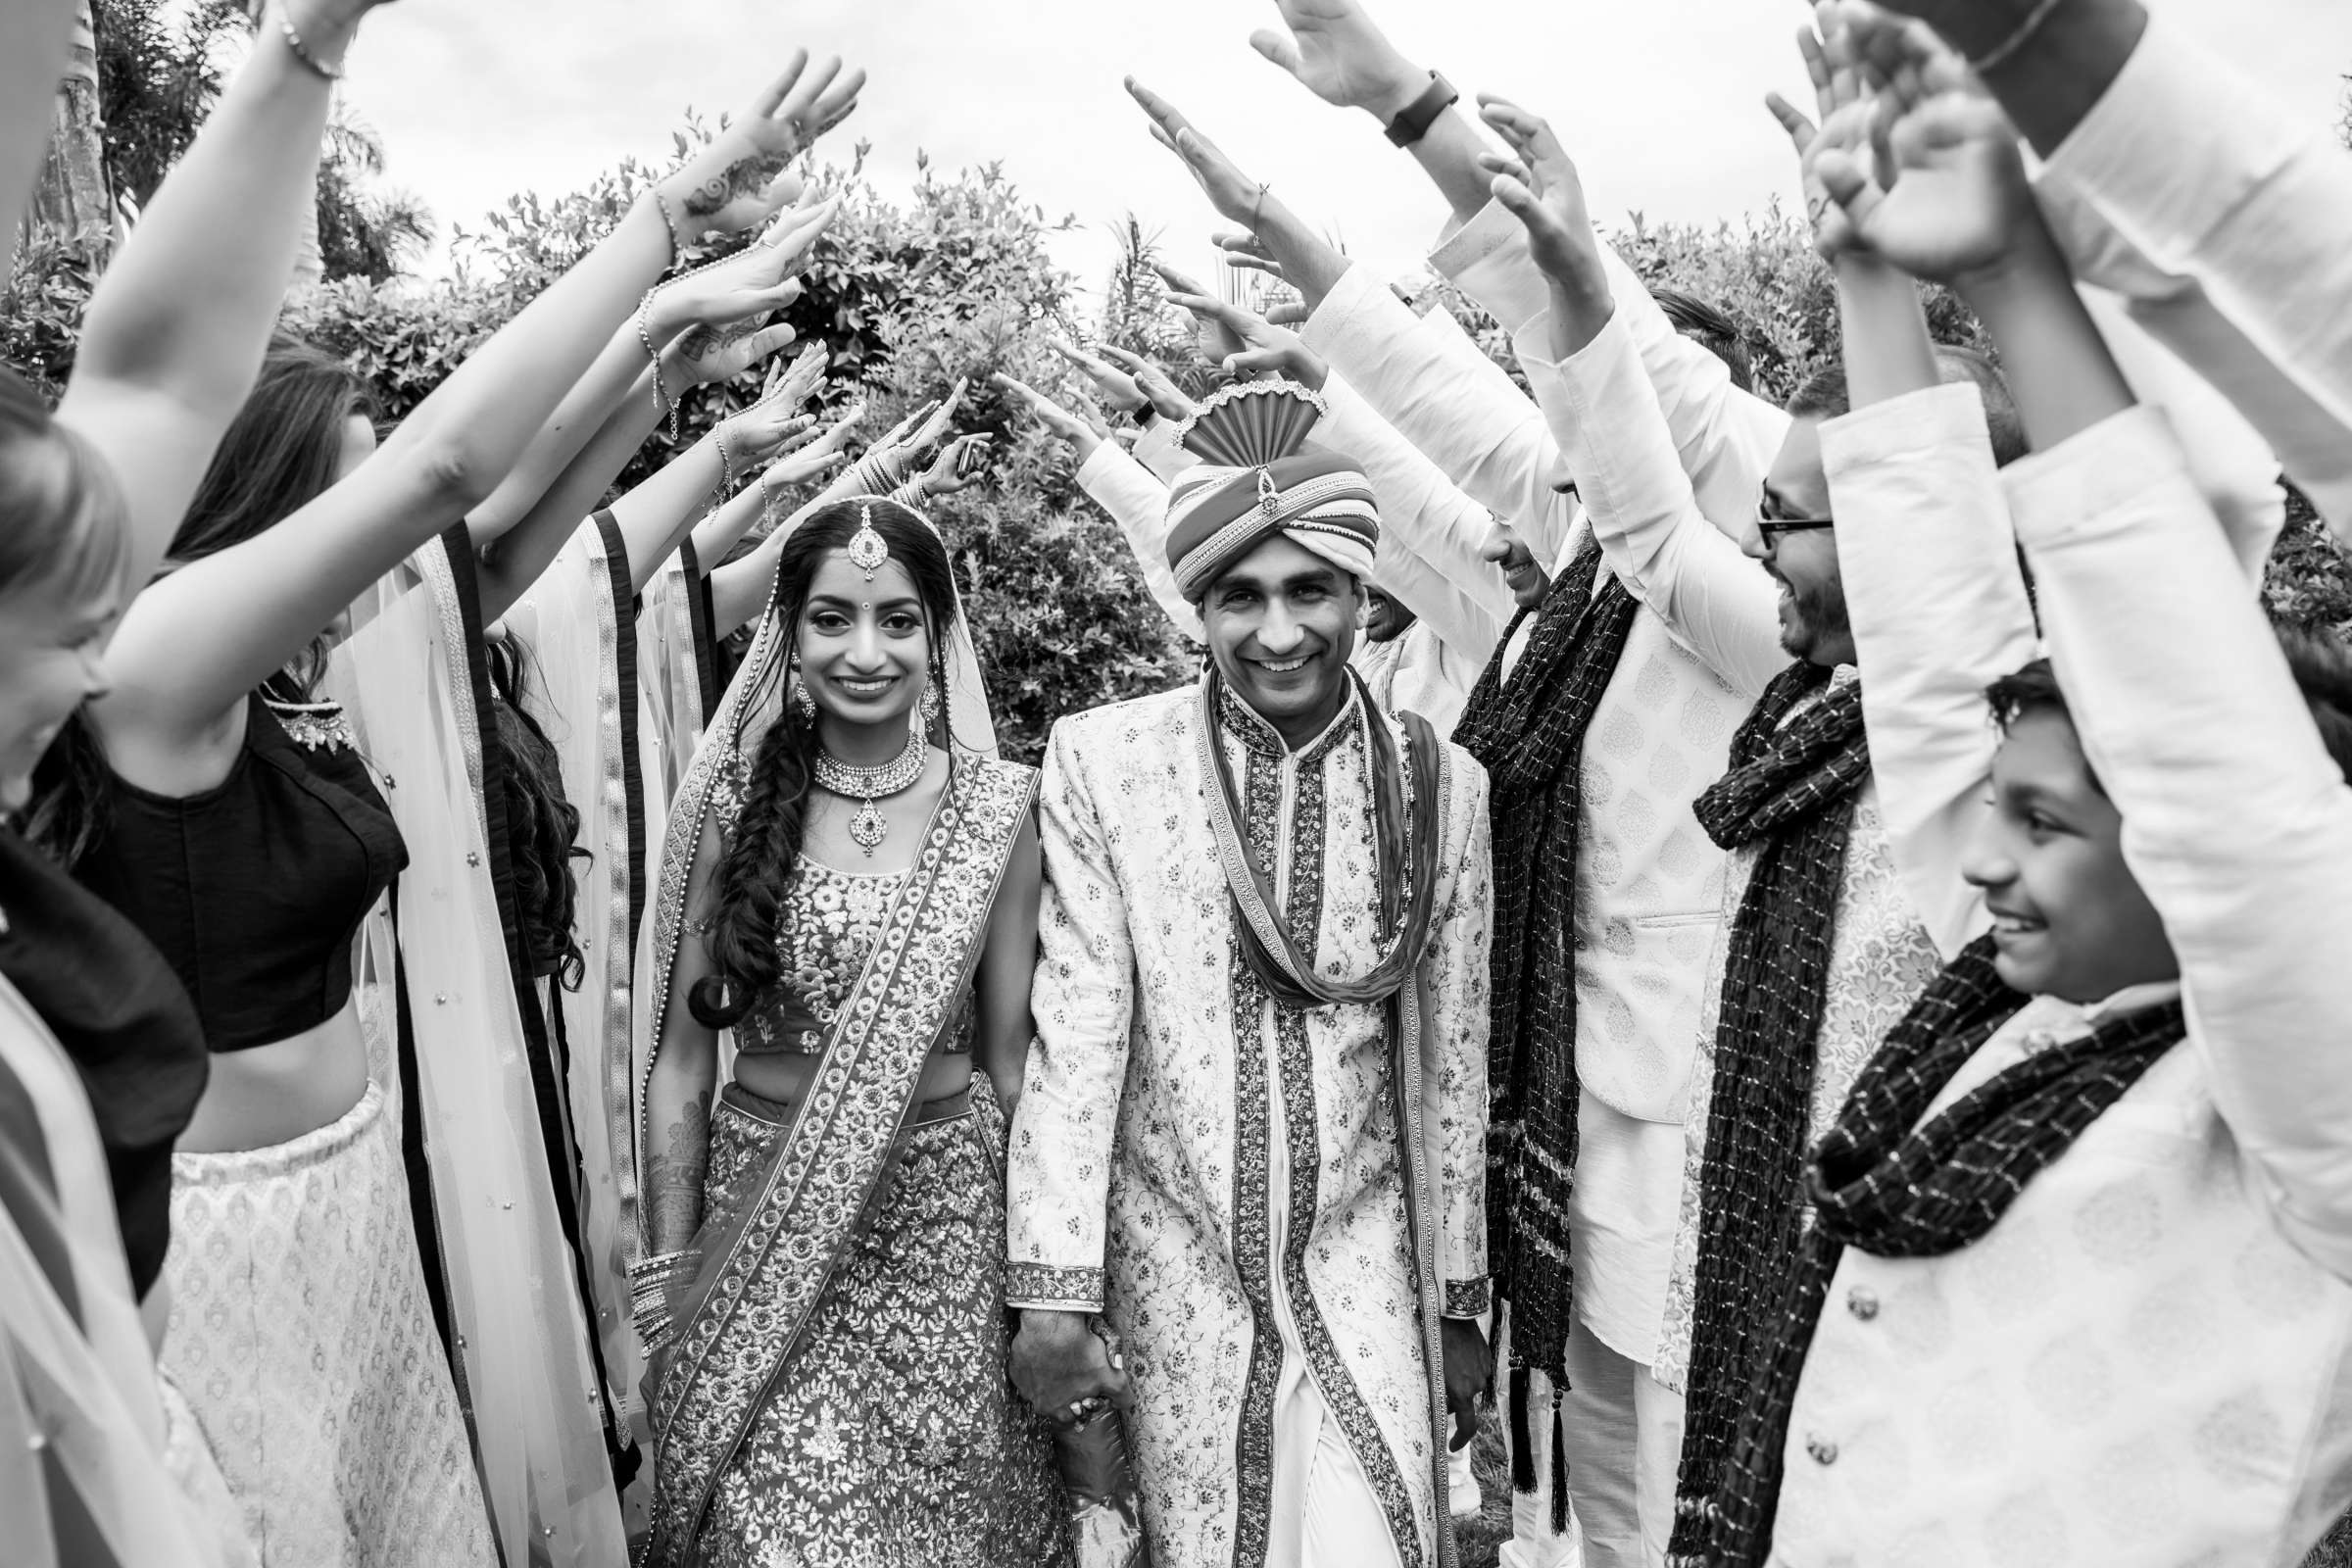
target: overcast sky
1660 100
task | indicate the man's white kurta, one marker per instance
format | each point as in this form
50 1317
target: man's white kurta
1222 1177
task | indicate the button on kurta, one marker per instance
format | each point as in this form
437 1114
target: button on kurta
1823 1451
1863 1303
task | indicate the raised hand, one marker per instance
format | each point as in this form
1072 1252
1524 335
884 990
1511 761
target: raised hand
1846 116
755 280
1234 195
1264 348
1974 28
763 431
1115 386
1339 53
1060 421
1246 252
1961 205
1161 393
959 465
936 423
807 461
799 382
740 178
705 356
1549 200
1218 342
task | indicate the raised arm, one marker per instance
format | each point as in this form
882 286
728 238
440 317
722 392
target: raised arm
1432 534
717 535
1938 604
175 332
180 663
1422 375
1717 601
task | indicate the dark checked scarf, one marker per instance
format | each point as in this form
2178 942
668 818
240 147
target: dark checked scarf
1789 795
1530 736
1893 1192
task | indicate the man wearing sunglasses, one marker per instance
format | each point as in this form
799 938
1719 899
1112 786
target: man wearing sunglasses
1821 948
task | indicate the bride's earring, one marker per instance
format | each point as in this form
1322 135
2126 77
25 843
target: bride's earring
800 696
930 703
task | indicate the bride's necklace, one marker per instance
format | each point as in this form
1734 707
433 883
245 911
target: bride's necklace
869 828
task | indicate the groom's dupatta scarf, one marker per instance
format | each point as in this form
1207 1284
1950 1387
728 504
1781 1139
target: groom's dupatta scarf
1409 788
765 1267
1405 793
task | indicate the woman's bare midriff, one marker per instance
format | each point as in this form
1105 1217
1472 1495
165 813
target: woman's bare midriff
273 1093
784 1077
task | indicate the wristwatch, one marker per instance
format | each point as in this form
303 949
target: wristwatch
1412 122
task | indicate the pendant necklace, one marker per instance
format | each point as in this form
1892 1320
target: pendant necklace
869 828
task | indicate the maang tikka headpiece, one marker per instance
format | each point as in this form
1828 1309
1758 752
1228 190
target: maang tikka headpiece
868 550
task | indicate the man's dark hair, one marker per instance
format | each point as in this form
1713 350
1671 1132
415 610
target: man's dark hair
2318 662
1711 328
2322 669
1823 395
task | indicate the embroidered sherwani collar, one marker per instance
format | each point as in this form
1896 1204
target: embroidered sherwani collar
1260 738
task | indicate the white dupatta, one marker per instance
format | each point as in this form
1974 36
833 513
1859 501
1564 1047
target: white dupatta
87 1388
524 1360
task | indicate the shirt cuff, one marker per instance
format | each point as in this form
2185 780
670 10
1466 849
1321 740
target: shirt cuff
1929 420
2076 488
1469 1298
1345 311
2139 149
1487 259
1044 1286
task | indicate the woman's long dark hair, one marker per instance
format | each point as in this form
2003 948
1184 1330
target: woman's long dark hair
767 835
280 452
543 825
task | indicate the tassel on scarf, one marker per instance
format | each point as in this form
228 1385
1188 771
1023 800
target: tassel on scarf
1523 1453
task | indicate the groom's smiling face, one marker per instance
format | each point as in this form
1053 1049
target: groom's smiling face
1281 624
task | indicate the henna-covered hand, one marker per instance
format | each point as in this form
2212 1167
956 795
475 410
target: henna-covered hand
758 278
741 176
1338 53
673 1178
705 356
819 456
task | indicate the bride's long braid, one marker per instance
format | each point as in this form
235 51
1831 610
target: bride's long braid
773 820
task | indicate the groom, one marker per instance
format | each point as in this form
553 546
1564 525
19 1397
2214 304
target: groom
1252 1133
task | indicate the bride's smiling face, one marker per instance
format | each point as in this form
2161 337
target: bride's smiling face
864 647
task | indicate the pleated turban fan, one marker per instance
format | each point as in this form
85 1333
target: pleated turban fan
1256 480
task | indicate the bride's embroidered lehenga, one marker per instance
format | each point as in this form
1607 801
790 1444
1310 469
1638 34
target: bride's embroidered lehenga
837 1391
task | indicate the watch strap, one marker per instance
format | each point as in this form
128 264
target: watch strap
1412 122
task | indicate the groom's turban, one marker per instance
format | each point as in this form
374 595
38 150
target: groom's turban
1256 484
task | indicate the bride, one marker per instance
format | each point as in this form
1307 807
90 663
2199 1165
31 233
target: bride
822 1272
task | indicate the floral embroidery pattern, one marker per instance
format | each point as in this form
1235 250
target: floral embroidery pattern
1143 1140
833 1155
894 1440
